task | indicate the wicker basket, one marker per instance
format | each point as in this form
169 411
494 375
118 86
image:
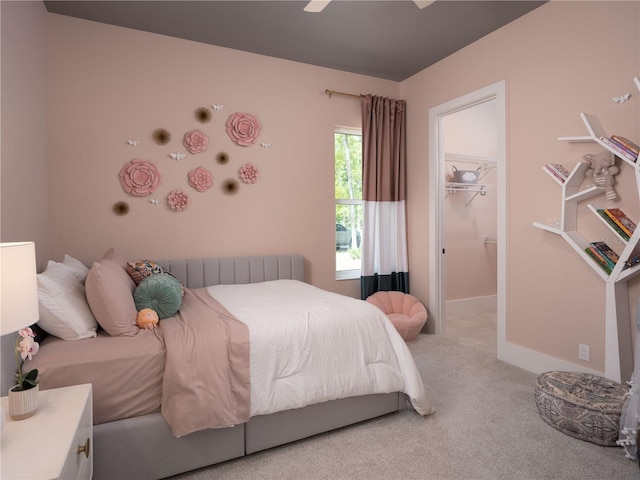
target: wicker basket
466 176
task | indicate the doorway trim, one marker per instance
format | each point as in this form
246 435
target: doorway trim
437 260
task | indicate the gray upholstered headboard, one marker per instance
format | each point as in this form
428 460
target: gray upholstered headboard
204 272
193 273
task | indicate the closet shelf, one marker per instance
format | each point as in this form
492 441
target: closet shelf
474 159
481 188
484 166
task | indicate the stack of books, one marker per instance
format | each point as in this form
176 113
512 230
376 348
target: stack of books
618 221
623 147
603 255
557 170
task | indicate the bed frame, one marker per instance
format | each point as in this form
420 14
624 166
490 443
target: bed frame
144 447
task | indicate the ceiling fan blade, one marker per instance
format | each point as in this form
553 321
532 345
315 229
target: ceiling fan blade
315 6
423 3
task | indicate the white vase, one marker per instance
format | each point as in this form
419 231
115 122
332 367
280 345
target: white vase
23 403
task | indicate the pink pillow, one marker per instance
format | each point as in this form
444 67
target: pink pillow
110 295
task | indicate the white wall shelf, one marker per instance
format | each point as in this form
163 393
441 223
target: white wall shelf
484 164
618 344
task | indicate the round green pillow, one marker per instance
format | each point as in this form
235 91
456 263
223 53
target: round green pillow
161 292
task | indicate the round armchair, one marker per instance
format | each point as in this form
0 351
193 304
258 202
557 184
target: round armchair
405 311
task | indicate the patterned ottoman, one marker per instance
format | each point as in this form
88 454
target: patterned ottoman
582 405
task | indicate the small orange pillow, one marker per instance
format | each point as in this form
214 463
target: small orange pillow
147 319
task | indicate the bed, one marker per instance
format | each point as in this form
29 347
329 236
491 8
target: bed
133 437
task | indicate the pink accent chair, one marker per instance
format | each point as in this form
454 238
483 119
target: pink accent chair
405 311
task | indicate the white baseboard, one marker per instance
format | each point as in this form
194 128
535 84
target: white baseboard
517 355
488 302
537 362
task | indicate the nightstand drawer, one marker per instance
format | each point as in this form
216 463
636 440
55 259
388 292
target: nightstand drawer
51 444
79 464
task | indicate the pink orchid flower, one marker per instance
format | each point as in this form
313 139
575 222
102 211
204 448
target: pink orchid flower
27 346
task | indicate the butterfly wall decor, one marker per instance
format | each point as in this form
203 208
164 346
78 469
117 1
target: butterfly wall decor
621 98
134 143
217 107
177 156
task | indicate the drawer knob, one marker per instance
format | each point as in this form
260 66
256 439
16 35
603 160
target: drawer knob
84 448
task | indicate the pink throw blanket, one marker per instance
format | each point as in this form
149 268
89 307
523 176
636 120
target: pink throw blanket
206 382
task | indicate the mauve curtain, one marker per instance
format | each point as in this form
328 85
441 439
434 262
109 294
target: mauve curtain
384 245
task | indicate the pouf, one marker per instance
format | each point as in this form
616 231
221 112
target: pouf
582 405
405 311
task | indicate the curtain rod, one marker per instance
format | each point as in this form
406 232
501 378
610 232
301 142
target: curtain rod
333 92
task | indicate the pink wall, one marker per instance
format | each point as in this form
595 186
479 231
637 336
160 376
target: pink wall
24 126
110 84
107 85
559 60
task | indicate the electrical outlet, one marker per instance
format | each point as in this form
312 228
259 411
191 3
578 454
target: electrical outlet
583 352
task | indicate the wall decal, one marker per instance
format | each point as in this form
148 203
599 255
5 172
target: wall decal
195 141
178 200
621 98
230 186
140 177
222 158
161 136
201 179
243 129
203 115
249 173
121 208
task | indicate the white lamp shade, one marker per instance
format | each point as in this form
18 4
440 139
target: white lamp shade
18 287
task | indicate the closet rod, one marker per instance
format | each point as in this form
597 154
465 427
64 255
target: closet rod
333 92
489 240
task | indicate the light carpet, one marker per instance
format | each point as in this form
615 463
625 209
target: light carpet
486 426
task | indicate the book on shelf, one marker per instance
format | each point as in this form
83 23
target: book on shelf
598 258
606 250
621 152
631 262
626 143
613 224
624 147
625 223
603 255
558 171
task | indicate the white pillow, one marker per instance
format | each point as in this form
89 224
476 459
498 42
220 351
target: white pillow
78 268
64 311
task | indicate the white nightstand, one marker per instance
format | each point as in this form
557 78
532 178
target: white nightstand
57 442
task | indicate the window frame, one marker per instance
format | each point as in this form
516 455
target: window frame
354 273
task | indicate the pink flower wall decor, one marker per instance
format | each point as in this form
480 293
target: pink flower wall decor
178 200
201 179
243 128
140 177
249 173
195 141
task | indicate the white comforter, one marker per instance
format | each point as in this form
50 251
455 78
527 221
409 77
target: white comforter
309 346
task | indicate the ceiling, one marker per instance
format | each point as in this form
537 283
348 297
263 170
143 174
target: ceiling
392 40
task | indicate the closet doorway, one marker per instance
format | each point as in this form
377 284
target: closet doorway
485 160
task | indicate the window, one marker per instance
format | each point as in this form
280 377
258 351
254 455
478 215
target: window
348 176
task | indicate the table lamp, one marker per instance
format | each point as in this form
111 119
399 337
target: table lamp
18 288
